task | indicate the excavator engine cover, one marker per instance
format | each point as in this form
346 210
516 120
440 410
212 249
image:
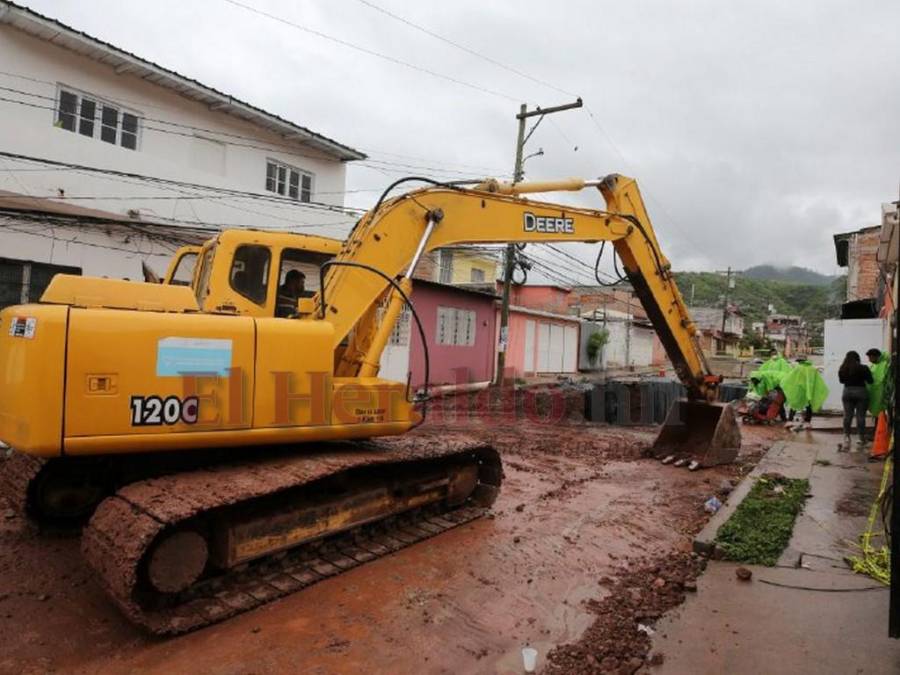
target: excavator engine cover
697 431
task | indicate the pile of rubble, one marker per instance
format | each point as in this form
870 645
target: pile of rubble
619 639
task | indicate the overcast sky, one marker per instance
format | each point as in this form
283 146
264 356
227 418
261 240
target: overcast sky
755 129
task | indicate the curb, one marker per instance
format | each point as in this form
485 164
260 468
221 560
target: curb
705 541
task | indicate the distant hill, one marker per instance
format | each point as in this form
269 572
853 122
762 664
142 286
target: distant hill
793 275
815 302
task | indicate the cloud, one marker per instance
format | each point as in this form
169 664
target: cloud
756 130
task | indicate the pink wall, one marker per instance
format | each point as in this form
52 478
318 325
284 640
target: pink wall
515 355
545 298
478 359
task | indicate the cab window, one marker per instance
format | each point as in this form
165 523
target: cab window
250 272
206 264
298 277
184 270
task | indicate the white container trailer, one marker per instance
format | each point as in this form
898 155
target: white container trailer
842 336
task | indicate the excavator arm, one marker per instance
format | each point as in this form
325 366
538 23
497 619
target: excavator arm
393 237
366 286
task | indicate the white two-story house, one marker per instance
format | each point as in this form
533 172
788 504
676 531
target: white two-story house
108 160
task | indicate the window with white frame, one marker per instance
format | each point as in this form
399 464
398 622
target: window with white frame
93 117
445 266
289 181
455 327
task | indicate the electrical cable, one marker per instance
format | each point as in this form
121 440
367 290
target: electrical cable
371 162
194 186
431 161
407 301
824 590
580 262
371 52
464 48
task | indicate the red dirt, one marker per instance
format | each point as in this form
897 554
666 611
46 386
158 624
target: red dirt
578 505
616 643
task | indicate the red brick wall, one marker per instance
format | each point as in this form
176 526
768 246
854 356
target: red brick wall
862 272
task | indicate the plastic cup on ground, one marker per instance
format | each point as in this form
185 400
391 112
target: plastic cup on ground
529 659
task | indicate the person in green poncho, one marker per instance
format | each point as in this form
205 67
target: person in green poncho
880 365
777 364
767 385
804 390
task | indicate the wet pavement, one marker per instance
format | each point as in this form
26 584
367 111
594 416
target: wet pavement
810 613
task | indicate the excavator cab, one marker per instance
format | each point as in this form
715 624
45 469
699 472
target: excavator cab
248 272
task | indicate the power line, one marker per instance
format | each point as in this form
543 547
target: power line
195 186
64 222
254 144
508 68
615 147
462 47
580 262
371 52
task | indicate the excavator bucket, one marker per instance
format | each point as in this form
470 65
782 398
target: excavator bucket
698 434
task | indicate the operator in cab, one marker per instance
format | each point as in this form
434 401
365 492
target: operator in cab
293 288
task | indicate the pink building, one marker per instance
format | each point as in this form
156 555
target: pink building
541 342
460 327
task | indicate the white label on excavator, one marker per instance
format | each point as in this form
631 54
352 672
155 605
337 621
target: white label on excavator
23 326
191 356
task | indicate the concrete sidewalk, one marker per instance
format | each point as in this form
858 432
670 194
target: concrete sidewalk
810 613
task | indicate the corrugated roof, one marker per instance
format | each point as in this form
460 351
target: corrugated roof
123 62
12 204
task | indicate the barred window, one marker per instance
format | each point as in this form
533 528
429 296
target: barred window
455 326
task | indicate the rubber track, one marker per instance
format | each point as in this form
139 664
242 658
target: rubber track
125 525
17 471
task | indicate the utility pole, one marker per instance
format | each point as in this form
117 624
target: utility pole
628 324
510 261
725 304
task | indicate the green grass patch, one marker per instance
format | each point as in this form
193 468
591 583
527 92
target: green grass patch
761 526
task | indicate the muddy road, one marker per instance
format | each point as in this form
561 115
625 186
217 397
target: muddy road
578 507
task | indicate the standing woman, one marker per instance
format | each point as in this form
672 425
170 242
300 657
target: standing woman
855 377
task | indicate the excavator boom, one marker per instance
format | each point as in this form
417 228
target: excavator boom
391 238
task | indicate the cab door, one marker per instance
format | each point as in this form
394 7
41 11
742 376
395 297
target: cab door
182 267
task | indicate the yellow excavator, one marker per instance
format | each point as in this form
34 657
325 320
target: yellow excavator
223 452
